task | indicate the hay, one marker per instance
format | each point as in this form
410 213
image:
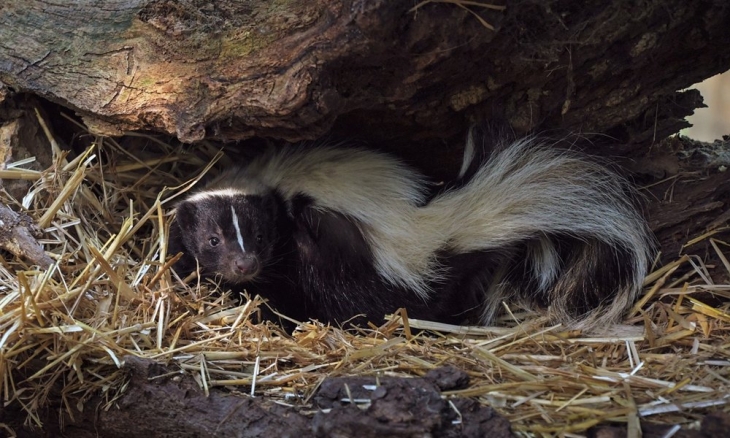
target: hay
111 293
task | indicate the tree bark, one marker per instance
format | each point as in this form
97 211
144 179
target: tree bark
18 233
160 402
294 70
691 198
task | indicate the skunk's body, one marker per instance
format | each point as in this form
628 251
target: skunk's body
319 262
330 233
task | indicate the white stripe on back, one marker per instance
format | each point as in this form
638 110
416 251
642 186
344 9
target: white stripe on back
225 192
238 229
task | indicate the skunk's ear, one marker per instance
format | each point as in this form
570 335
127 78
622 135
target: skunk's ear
185 214
181 238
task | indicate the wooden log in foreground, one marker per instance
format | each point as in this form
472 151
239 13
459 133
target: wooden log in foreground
378 70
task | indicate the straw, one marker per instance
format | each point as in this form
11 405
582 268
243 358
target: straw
110 295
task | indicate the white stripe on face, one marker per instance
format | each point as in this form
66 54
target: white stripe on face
238 229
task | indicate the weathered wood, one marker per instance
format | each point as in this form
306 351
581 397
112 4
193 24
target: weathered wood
159 402
688 195
714 425
18 235
291 70
18 232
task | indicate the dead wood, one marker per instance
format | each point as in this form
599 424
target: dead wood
714 425
18 235
380 70
687 195
18 232
159 401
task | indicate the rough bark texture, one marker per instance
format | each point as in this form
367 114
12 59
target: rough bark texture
233 70
713 425
688 195
18 233
160 402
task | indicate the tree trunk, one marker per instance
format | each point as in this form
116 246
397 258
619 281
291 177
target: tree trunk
291 70
161 402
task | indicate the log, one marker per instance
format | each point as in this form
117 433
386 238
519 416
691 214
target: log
158 401
686 196
379 70
714 425
18 232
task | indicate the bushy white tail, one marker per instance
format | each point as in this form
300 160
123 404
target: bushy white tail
558 229
571 224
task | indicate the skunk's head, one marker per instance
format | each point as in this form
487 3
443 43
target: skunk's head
232 235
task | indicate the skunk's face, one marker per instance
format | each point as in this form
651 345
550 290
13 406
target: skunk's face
230 236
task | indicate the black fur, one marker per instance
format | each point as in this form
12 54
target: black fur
591 270
314 263
210 219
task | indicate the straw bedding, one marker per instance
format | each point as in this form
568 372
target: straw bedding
111 293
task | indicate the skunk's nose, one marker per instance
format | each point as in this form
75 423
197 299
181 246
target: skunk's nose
247 265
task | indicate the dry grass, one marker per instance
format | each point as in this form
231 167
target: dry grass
112 294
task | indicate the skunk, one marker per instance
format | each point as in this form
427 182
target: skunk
331 233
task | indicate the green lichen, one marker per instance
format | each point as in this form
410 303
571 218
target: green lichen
243 44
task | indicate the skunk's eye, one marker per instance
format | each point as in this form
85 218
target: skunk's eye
214 241
259 238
